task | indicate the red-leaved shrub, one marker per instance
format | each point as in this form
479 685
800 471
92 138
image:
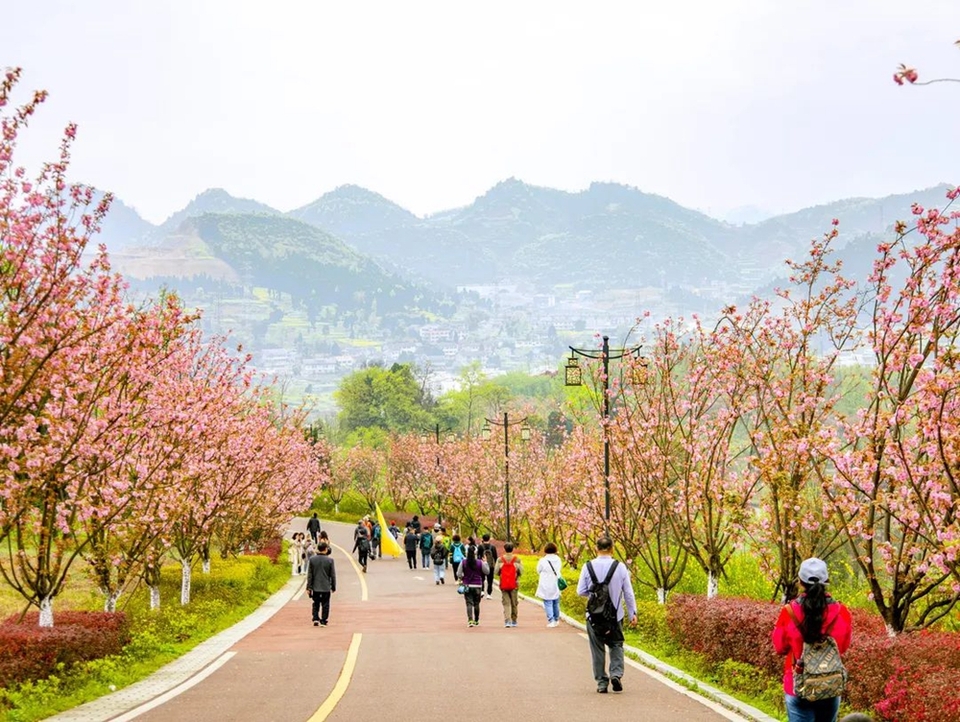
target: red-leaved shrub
913 676
270 548
725 628
29 652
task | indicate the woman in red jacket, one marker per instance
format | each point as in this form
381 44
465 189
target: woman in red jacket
810 617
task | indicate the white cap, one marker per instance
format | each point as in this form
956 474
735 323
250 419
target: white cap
813 570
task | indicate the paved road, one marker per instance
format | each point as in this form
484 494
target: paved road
415 657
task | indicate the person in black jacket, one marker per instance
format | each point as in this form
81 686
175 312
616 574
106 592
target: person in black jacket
489 554
361 543
321 583
411 540
313 527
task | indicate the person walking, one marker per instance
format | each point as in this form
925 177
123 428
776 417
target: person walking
411 541
426 546
489 551
473 572
508 569
313 527
293 551
605 570
457 554
439 556
548 572
394 530
375 551
361 544
810 618
321 583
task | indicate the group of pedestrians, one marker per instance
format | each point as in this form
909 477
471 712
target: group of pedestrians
812 621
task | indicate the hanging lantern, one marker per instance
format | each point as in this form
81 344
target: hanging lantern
572 373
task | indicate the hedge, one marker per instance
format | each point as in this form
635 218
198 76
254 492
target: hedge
28 651
913 676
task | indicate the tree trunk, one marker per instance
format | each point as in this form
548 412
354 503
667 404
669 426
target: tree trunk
185 571
206 566
713 585
46 612
110 601
154 597
661 595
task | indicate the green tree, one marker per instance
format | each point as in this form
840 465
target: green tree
379 398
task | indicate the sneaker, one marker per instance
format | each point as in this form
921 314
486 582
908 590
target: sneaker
441 580
549 624
316 624
323 622
602 688
507 624
616 684
489 597
438 582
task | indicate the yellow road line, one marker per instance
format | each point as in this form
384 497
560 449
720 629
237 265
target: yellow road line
357 569
340 688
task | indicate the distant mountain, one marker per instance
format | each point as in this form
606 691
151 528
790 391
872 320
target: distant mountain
123 227
351 210
214 200
606 235
316 269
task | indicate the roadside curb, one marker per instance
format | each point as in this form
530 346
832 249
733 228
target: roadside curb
181 669
687 682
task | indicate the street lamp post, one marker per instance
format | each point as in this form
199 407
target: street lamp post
423 439
486 434
573 376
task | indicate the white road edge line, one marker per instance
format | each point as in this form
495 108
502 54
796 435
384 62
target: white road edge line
179 689
663 679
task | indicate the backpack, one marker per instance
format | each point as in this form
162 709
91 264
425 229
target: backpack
601 612
490 555
438 554
819 673
457 553
426 541
508 575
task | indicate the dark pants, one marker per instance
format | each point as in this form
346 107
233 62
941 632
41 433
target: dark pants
375 548
362 550
456 566
321 600
412 558
473 595
490 582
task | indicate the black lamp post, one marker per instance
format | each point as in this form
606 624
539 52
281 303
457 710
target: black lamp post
424 435
573 376
486 433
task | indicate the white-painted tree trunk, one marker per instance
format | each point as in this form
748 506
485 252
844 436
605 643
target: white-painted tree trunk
46 612
110 602
891 632
185 571
661 595
336 507
713 585
154 598
206 566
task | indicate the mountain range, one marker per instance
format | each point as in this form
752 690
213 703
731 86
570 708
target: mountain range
608 235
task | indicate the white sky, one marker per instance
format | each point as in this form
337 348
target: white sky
714 104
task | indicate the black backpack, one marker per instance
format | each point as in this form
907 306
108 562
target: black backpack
601 612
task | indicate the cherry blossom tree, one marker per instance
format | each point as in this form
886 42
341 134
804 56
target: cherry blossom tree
787 359
896 462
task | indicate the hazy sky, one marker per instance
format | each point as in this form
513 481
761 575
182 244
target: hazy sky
714 104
